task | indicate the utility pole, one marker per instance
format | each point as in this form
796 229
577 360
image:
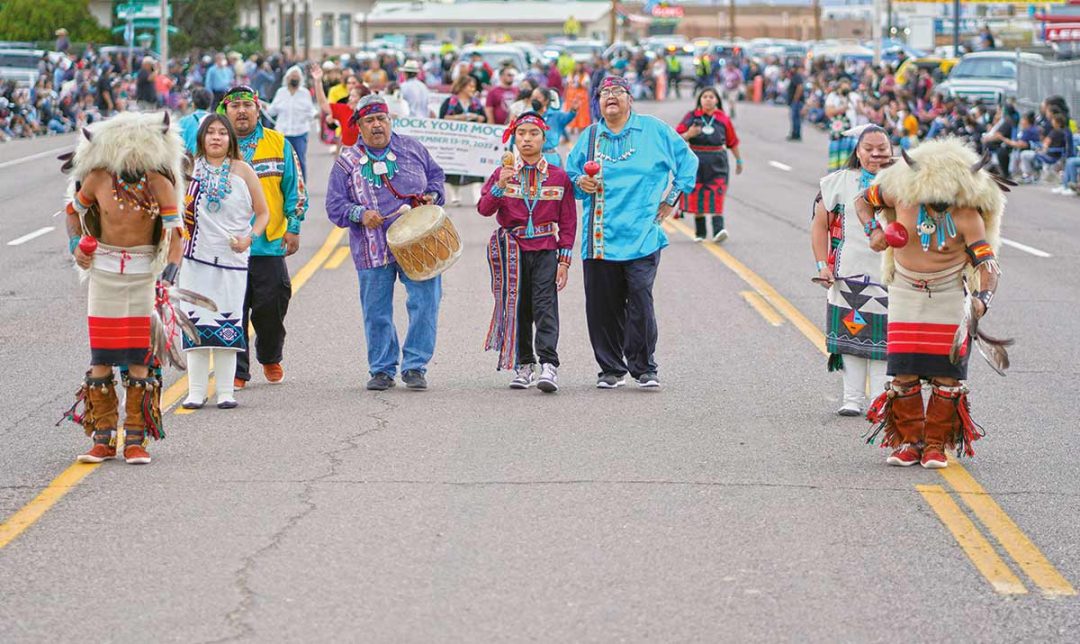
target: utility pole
163 38
817 20
956 29
731 19
613 21
875 33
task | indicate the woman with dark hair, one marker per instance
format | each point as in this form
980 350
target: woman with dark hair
710 134
857 310
223 194
463 104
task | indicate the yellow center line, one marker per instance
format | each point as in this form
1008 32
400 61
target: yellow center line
1025 553
25 516
978 549
338 257
762 307
766 290
1018 546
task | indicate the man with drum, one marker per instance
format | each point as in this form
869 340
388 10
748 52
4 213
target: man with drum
371 184
621 166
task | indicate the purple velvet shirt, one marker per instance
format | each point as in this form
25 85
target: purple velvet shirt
349 195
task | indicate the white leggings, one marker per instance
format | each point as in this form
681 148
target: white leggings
856 371
198 361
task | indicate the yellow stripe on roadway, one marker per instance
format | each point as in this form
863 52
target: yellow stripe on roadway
338 257
1018 546
762 307
17 523
1025 553
766 290
32 511
976 546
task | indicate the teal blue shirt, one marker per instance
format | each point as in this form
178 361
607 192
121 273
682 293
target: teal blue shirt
638 165
189 129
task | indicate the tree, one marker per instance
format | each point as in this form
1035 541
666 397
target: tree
36 20
207 24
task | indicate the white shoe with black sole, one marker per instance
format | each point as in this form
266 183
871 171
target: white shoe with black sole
524 377
549 379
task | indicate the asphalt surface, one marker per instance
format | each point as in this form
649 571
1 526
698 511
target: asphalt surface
731 505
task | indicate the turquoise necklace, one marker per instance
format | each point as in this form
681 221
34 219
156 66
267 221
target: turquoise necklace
929 225
615 147
248 144
373 165
865 179
529 179
708 128
216 183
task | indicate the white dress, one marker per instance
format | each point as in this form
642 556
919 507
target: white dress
213 269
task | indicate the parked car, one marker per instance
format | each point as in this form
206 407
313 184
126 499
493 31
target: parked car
582 51
497 55
985 76
20 65
939 68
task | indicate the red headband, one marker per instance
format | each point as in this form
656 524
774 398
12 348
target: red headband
527 118
375 107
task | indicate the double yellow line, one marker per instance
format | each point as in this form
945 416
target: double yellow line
25 517
1025 554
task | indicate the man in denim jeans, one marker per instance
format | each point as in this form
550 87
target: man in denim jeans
795 98
369 184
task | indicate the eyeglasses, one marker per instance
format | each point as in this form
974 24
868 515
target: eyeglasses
615 92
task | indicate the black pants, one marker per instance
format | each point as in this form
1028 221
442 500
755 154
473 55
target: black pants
620 313
265 305
538 303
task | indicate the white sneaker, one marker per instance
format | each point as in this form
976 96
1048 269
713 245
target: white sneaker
721 236
549 379
524 377
1067 192
850 409
1059 190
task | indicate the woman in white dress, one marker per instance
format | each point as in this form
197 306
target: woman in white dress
225 209
858 305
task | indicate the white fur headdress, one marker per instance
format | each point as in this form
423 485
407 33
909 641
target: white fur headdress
131 143
944 171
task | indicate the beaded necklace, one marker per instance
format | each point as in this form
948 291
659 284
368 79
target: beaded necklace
530 178
135 195
216 183
929 224
865 179
248 144
373 165
615 147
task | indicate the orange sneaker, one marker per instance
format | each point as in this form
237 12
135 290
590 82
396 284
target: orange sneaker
99 453
274 373
136 455
238 384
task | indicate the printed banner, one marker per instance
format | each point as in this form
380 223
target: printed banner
459 147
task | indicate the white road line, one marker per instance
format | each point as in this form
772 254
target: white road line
34 235
782 166
8 164
1027 249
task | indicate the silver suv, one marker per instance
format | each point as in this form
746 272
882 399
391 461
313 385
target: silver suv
20 65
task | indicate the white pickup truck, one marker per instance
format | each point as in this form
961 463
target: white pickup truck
985 76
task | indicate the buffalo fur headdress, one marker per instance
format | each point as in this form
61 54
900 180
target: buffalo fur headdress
944 171
132 144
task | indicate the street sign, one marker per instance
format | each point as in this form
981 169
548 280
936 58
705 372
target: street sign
149 10
1063 32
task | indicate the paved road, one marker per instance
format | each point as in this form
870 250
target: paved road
732 505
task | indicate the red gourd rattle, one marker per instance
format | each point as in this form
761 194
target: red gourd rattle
88 245
896 235
592 168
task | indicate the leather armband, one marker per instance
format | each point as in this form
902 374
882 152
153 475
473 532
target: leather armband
873 196
980 253
170 272
985 297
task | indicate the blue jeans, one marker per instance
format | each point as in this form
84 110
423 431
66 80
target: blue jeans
377 304
796 120
1072 171
299 143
